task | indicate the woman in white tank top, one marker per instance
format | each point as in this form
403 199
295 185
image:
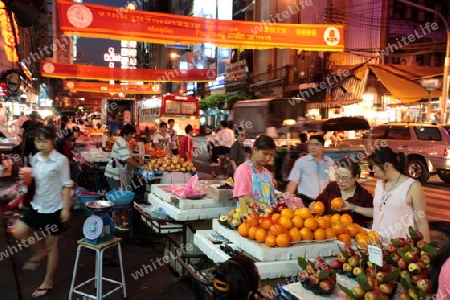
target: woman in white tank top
399 201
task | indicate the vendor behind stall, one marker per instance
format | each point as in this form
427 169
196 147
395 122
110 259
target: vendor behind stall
119 170
253 181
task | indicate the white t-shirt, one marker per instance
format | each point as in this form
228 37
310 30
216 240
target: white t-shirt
162 141
225 137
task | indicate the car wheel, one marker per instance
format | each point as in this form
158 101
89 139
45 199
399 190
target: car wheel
417 170
444 175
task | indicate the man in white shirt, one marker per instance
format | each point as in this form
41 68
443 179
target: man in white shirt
310 174
224 140
161 140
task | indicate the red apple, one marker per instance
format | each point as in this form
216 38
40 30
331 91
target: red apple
391 248
404 274
411 256
419 235
349 250
372 282
336 264
402 264
319 262
327 284
422 275
357 271
411 242
314 279
386 288
414 268
416 250
395 257
304 275
310 269
400 242
371 272
421 244
358 292
421 263
385 267
424 285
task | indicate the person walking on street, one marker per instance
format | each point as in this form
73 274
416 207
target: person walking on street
311 173
186 144
174 141
50 207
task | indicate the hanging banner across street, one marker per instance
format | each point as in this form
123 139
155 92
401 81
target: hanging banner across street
61 70
99 21
104 87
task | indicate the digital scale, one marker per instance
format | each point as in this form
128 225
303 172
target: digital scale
99 227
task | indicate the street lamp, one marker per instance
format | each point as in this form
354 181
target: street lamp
443 102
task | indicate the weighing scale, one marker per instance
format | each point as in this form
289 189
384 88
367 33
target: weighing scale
99 227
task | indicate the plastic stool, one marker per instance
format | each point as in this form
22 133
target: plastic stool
99 249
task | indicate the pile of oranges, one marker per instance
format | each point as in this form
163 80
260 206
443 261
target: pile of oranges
291 226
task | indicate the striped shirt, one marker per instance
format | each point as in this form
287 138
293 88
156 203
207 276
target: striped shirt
122 152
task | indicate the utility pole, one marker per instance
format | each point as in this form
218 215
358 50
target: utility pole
443 102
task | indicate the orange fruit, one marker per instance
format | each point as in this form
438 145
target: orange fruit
251 232
286 222
361 234
337 203
306 234
283 240
260 235
311 223
275 217
287 212
335 218
362 240
373 236
320 234
324 223
265 223
295 235
243 229
297 221
353 229
252 220
270 240
318 208
305 213
346 220
345 238
330 233
276 229
338 228
298 212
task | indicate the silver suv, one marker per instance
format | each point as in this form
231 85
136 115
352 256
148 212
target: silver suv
426 146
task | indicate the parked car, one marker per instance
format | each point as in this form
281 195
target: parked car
426 146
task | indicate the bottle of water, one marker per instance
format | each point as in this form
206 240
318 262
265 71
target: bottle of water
162 213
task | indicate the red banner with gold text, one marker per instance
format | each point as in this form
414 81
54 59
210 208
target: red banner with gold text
99 21
61 70
104 87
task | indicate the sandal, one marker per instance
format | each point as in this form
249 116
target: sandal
45 290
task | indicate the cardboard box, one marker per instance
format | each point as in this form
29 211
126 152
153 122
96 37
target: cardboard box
214 192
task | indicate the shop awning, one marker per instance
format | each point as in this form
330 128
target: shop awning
403 85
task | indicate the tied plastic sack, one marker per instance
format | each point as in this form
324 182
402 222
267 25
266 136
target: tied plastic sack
294 203
189 191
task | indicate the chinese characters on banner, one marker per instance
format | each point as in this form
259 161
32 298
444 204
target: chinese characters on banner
99 21
99 87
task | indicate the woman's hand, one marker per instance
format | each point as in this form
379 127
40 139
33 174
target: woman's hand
268 292
347 206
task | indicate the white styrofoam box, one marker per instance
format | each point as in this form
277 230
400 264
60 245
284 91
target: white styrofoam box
262 252
184 203
267 270
219 194
187 214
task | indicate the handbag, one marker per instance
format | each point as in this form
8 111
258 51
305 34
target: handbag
28 196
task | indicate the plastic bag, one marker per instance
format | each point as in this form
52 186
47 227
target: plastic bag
294 202
188 191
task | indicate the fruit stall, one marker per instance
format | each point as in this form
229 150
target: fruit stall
328 256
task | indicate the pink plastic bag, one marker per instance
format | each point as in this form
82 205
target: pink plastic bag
295 202
188 191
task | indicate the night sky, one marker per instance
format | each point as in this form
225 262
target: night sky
93 49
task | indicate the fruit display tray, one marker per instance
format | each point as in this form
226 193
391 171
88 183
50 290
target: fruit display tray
183 203
267 270
190 214
262 252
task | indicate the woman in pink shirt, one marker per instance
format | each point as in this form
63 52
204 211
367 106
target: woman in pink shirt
252 181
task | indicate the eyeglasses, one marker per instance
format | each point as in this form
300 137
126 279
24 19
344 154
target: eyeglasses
343 179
